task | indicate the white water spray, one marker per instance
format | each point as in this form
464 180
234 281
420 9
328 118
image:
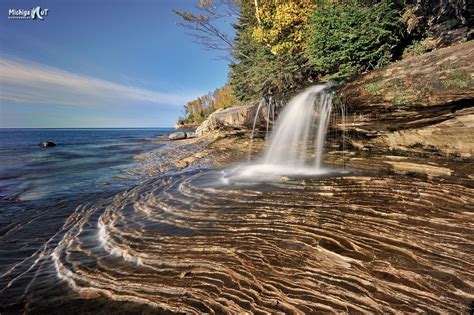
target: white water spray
291 141
297 141
253 128
269 110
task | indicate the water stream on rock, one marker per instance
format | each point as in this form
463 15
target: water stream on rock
296 144
262 102
291 138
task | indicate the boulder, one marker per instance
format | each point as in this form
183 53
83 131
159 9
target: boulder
190 134
232 118
177 135
46 144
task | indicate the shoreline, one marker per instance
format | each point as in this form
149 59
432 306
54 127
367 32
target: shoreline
216 149
223 149
192 229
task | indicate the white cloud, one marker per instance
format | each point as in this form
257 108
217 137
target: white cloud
24 82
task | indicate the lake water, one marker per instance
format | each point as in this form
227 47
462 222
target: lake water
41 187
85 160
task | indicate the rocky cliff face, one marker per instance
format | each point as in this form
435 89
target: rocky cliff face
441 77
447 21
422 105
186 126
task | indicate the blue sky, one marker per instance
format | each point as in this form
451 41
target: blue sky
104 63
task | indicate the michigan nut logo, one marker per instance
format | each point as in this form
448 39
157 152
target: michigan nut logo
36 13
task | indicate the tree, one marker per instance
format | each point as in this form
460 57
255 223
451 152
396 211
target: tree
350 38
199 109
282 25
271 34
204 26
224 98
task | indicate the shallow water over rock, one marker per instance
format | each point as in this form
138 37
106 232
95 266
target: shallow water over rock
348 243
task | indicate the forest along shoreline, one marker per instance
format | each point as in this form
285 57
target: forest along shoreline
414 116
403 74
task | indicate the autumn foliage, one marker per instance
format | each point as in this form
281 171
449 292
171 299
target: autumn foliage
281 46
197 110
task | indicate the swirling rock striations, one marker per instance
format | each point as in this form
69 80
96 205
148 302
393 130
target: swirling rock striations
354 244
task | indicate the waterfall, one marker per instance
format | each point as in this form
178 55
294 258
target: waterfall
269 109
270 113
296 143
294 137
262 101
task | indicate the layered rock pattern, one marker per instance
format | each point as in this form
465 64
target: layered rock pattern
189 244
421 104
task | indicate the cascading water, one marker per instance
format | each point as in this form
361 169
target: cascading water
253 127
297 141
291 139
343 122
269 110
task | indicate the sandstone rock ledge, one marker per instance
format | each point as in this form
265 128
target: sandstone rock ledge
422 105
186 126
215 149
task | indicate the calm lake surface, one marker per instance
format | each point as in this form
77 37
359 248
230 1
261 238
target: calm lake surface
85 160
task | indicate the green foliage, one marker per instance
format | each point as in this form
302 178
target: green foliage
398 100
419 47
268 74
350 38
402 97
269 50
457 80
374 87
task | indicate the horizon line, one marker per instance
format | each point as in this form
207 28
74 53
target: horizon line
88 127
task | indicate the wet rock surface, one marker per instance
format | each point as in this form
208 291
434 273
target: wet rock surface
216 149
356 243
393 234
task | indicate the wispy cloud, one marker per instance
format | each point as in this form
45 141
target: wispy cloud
26 82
